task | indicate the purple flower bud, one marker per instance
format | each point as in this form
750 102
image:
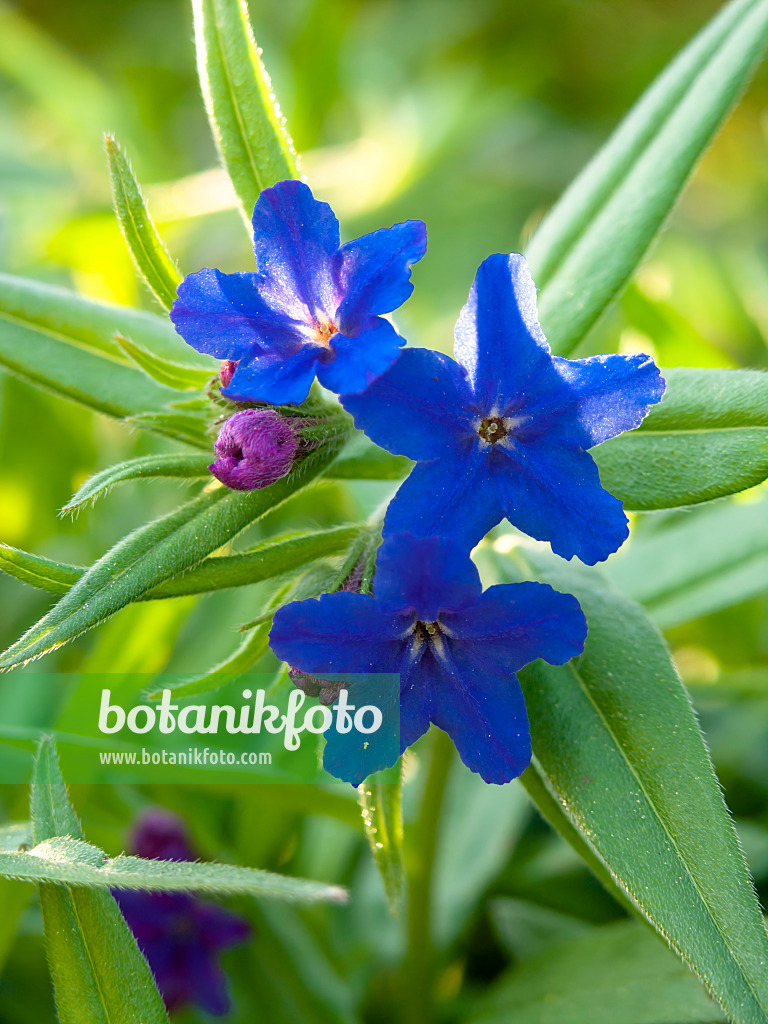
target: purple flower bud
227 371
254 448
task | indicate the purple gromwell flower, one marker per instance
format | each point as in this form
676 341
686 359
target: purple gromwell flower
180 936
254 448
313 309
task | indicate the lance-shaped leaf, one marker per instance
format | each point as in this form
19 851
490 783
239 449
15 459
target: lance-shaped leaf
42 573
158 552
620 972
707 438
247 126
262 562
64 343
73 862
190 427
597 234
618 746
712 558
146 467
172 375
381 805
151 258
99 975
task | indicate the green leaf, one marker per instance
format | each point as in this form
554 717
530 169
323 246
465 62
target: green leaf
14 835
189 427
64 343
152 260
185 467
92 325
172 375
713 558
53 577
595 236
99 975
618 973
158 552
364 460
247 126
381 804
73 862
617 745
254 646
708 438
271 558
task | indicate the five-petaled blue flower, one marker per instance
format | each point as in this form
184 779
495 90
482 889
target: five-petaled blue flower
313 308
455 647
504 431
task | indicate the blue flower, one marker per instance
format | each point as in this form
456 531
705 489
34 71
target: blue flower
455 647
180 935
313 308
504 431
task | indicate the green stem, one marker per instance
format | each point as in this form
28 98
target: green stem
419 961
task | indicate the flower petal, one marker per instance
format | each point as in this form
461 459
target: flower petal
479 703
588 401
374 272
354 755
447 497
419 407
515 623
295 239
553 493
274 380
339 632
426 574
225 315
498 338
360 360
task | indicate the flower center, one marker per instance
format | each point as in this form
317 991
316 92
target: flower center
324 331
426 631
492 429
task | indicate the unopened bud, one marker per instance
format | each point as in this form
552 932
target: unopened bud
227 371
254 448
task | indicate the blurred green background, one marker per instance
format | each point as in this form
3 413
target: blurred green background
472 117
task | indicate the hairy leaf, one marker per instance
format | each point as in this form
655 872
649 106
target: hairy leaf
158 552
381 805
617 745
73 862
707 438
151 258
172 375
620 972
184 467
247 126
99 975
